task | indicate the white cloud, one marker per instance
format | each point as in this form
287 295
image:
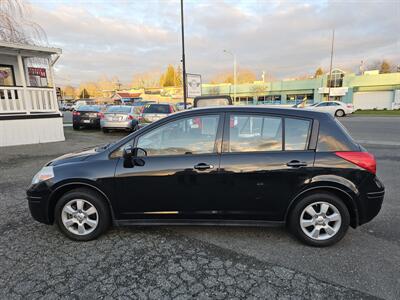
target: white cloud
285 38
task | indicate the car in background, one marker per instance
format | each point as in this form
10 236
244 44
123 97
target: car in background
335 108
208 101
66 106
120 117
181 105
154 112
87 116
81 102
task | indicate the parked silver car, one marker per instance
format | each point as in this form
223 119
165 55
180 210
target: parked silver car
154 112
120 117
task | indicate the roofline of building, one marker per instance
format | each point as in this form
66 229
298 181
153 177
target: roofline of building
30 48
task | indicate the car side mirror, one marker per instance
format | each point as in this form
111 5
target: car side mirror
132 156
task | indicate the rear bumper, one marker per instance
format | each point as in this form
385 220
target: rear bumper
87 122
122 125
371 201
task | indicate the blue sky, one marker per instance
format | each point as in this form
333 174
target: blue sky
283 38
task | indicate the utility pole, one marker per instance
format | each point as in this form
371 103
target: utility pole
183 59
330 66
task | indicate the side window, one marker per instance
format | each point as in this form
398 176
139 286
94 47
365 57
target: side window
250 133
296 134
193 135
323 104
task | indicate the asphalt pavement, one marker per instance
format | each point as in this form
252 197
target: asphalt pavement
36 261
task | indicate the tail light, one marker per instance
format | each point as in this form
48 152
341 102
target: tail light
364 160
76 113
349 105
100 115
130 117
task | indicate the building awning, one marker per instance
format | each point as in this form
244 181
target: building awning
27 50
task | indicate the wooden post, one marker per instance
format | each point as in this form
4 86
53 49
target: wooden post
27 100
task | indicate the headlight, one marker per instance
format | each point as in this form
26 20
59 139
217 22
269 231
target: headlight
45 173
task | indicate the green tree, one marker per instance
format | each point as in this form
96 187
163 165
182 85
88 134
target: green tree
385 67
319 72
178 76
84 94
169 76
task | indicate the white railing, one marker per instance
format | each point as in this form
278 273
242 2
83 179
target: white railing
27 100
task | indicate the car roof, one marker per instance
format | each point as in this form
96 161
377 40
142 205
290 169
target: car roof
296 112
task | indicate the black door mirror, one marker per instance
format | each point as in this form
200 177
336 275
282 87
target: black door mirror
132 156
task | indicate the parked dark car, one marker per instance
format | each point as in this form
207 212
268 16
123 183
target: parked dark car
216 166
154 112
87 116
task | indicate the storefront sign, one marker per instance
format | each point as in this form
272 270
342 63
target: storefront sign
37 76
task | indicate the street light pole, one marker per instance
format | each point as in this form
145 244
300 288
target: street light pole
234 74
183 59
330 66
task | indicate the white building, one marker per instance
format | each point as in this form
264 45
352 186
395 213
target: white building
29 111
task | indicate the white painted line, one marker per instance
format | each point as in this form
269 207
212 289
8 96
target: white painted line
67 124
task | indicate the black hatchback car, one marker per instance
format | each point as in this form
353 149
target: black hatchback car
216 166
87 116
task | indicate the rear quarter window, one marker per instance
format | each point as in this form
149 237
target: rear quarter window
333 136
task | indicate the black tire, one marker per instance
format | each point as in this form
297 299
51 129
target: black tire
76 127
105 130
136 127
340 113
295 214
95 199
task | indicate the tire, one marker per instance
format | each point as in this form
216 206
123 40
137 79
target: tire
340 113
135 128
105 130
67 212
76 127
336 230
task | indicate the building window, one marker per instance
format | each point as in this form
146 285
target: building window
298 98
7 75
336 80
270 99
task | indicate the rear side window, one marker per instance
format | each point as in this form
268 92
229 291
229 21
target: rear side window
157 109
251 133
296 134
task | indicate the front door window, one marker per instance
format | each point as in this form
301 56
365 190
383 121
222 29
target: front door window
193 135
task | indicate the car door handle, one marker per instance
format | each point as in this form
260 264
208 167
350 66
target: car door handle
203 166
296 164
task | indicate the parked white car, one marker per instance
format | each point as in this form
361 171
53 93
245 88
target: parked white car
335 108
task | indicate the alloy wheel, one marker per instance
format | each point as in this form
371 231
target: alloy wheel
320 220
80 217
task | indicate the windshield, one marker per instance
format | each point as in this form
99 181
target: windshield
89 108
157 109
119 109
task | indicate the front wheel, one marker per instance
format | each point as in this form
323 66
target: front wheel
320 219
82 215
340 113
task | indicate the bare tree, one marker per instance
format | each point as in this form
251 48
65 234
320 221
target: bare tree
15 25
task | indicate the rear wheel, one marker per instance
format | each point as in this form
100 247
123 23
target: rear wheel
105 130
339 113
82 215
319 219
76 127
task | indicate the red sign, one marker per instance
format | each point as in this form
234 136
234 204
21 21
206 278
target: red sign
41 72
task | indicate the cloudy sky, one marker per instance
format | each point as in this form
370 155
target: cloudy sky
283 38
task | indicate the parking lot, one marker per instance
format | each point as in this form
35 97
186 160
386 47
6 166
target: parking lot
203 262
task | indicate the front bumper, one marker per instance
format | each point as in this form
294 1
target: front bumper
38 201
